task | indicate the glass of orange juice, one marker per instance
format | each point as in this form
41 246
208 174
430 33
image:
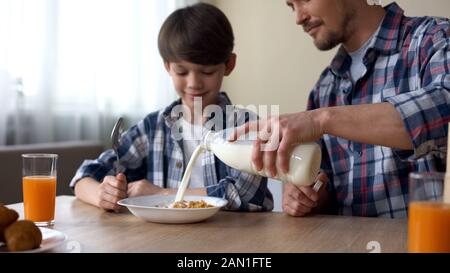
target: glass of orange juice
428 215
39 187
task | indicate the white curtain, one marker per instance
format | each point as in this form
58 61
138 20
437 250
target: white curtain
69 68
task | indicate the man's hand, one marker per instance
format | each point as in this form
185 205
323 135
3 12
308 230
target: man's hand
300 201
111 190
277 136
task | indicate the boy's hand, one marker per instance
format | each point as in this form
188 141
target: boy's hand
111 190
144 187
299 201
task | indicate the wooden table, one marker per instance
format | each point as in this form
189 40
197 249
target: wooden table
92 230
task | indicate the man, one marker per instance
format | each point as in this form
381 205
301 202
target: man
379 111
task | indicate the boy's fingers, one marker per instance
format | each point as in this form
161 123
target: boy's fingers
115 191
109 198
295 209
310 194
119 182
302 199
121 177
322 177
321 182
108 205
302 195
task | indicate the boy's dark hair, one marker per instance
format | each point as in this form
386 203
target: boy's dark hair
199 34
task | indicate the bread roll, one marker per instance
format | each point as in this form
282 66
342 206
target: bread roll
23 235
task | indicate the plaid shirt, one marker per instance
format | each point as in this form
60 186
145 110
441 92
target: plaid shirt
149 150
408 65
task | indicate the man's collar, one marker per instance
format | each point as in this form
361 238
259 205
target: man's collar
387 40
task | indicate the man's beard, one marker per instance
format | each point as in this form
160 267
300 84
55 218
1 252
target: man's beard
331 40
334 38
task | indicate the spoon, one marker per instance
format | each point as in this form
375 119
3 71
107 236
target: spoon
115 139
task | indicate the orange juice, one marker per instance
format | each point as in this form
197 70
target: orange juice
429 227
39 194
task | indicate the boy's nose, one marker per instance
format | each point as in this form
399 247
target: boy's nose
195 83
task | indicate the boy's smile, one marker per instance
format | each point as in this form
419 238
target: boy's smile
194 81
192 96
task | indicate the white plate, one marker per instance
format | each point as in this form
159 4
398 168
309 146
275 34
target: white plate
150 208
50 239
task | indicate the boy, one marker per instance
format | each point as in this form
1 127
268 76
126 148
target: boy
196 44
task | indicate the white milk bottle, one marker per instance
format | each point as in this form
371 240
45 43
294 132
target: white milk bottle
304 164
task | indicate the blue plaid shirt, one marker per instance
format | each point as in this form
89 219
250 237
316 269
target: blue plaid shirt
150 151
408 65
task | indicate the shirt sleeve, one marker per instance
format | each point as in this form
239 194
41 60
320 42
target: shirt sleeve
426 111
133 150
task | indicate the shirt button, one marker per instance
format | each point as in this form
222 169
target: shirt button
178 165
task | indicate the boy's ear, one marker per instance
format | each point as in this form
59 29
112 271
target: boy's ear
167 66
230 64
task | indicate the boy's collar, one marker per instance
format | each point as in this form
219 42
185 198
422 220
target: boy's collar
223 98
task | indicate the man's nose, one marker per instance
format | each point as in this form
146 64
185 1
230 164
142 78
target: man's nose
301 17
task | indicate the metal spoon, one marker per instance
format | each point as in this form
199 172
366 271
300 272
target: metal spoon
115 139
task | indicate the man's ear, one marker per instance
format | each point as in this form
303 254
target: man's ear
230 64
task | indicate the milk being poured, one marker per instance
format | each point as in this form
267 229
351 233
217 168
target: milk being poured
304 163
187 174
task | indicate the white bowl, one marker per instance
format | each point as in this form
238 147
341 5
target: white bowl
151 208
